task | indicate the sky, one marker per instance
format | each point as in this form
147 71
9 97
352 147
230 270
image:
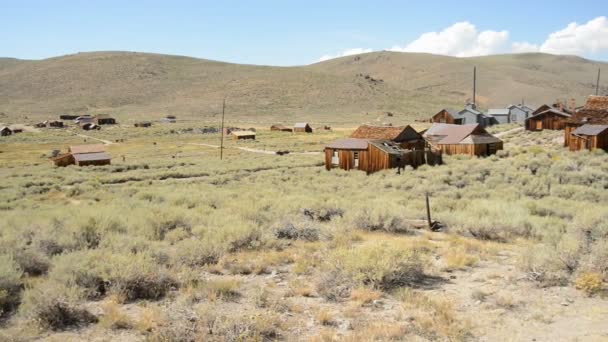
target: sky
293 32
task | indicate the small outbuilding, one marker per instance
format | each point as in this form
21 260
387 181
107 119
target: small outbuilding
56 124
447 115
169 119
471 139
406 136
105 119
143 124
5 131
68 117
302 127
589 137
280 128
594 115
89 126
84 155
243 135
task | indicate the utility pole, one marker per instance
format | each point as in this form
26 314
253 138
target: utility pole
597 84
222 141
428 212
474 84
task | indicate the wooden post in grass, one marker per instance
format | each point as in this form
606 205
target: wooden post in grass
428 212
222 141
597 84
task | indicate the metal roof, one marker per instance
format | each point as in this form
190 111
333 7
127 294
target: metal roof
590 129
96 148
442 133
552 111
388 146
242 133
349 144
498 111
78 157
300 125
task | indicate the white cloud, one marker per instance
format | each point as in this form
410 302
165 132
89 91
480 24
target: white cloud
348 52
461 40
521 47
586 39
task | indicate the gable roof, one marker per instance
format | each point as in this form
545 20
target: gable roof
94 148
400 133
388 146
301 125
498 111
549 111
78 157
349 144
590 129
448 134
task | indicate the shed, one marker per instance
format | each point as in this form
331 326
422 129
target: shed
4 131
84 119
56 124
519 113
68 117
589 137
41 124
551 118
89 126
83 155
143 124
280 128
243 135
447 115
369 155
406 136
104 119
302 127
471 139
98 158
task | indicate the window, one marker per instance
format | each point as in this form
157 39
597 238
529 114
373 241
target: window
335 159
356 159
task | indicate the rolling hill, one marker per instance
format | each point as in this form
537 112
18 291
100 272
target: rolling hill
349 89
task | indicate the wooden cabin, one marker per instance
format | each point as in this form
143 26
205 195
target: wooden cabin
89 126
56 124
405 136
169 119
105 119
446 115
5 131
370 155
243 135
68 117
280 128
302 127
84 155
589 137
552 119
143 124
471 139
593 113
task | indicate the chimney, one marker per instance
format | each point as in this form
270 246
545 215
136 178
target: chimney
573 105
561 106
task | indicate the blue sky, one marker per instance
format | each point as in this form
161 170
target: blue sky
300 32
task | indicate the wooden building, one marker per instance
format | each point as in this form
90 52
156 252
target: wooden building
302 127
370 155
5 131
471 139
405 136
589 137
280 128
56 124
446 115
552 119
243 135
593 113
143 124
68 117
89 126
105 119
84 155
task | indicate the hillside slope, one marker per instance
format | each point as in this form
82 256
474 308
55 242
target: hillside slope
133 85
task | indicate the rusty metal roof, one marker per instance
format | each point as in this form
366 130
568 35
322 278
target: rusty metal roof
96 148
445 134
381 132
78 157
590 129
348 144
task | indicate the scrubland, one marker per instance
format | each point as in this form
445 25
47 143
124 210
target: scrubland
172 244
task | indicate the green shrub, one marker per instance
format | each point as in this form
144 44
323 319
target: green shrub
10 284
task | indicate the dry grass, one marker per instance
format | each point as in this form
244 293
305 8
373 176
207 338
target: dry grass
365 295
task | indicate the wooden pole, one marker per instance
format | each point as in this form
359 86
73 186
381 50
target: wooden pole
474 84
428 211
597 84
222 141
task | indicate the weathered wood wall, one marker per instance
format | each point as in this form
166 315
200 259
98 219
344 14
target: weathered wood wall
553 122
443 117
470 149
374 159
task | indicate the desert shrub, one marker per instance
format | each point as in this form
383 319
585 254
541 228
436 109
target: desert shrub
221 289
114 317
382 265
589 282
297 230
53 306
598 258
10 284
193 252
381 218
162 225
32 262
542 264
334 285
266 327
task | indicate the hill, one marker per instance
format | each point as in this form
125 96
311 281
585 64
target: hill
349 89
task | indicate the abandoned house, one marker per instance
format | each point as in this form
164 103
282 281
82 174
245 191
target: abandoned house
405 136
552 119
143 124
280 128
169 119
471 139
84 155
104 119
68 117
302 127
56 124
469 115
89 126
243 135
5 131
594 115
370 155
447 115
